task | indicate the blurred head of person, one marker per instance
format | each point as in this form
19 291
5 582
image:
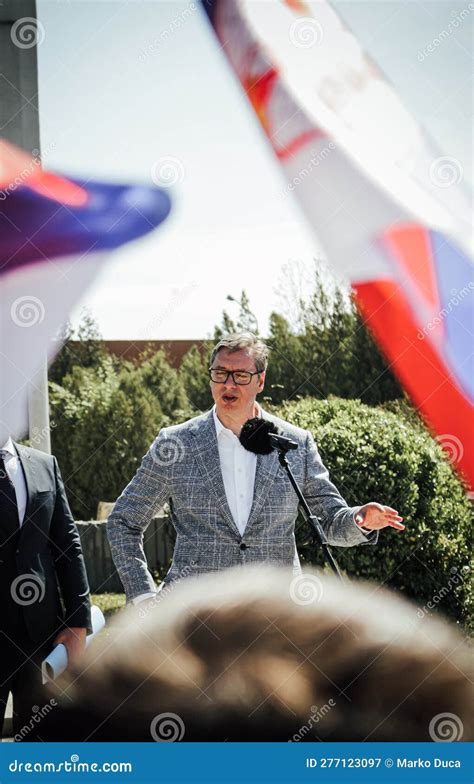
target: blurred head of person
257 654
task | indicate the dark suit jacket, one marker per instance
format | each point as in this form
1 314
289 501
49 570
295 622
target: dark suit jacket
49 548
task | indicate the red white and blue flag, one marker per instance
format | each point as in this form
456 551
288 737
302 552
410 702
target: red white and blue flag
387 207
54 236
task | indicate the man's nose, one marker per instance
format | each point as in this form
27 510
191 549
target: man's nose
229 381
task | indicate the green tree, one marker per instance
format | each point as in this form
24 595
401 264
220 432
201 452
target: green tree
81 347
194 375
246 319
374 382
105 422
329 352
163 381
286 373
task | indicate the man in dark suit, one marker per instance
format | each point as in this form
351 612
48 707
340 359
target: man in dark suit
43 582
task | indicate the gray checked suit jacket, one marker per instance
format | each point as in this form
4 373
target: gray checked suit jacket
182 468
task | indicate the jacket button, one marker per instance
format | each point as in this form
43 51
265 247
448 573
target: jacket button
243 546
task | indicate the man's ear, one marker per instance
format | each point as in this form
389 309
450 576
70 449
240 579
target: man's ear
261 381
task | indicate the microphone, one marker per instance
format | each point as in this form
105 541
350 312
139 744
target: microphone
261 437
282 442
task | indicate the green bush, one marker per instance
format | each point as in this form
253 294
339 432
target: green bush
194 375
163 381
375 455
104 422
82 347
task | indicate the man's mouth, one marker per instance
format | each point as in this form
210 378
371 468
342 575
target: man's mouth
229 398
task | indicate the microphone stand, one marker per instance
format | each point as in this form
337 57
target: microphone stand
307 514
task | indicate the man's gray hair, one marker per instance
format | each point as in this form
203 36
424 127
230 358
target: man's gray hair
240 341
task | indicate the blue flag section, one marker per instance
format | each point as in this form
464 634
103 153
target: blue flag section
237 763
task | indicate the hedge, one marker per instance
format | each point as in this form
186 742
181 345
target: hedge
373 454
104 419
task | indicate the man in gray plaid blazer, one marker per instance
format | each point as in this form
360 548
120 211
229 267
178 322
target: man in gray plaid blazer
229 506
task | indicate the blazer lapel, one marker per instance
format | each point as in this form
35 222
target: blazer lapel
206 453
265 473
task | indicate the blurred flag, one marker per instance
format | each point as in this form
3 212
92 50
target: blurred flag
54 235
388 209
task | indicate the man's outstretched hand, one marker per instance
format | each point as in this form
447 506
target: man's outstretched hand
375 516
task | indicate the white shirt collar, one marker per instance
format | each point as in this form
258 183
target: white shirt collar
8 447
220 428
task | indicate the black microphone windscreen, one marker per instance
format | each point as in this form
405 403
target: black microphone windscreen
254 435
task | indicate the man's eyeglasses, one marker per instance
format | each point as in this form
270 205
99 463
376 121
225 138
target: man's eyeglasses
240 377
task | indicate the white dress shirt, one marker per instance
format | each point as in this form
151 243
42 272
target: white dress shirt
238 472
15 474
238 467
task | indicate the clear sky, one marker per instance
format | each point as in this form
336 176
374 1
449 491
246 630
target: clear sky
119 96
